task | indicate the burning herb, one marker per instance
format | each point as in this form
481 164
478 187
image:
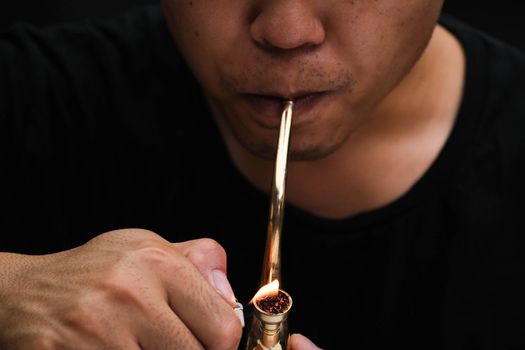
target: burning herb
274 304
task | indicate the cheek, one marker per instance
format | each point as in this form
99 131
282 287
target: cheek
383 41
185 23
206 33
184 19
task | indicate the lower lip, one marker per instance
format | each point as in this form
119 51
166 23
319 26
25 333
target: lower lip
268 110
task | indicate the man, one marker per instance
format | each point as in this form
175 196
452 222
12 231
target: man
131 182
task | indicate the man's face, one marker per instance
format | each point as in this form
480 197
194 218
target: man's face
337 59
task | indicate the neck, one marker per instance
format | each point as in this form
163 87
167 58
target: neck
383 159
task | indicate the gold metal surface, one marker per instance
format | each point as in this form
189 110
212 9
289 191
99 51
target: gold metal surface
269 331
272 256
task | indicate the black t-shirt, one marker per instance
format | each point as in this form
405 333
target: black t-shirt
102 126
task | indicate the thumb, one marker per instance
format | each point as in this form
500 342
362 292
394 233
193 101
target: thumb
209 258
300 342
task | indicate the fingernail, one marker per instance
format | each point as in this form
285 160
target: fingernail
222 285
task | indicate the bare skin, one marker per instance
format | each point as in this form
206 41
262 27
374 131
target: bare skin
126 289
377 86
390 83
387 152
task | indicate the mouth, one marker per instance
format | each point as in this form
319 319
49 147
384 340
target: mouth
268 107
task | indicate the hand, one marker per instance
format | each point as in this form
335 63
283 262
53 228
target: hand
300 342
126 289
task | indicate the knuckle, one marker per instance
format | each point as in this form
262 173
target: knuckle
210 245
141 233
124 236
133 232
205 248
121 286
117 291
153 253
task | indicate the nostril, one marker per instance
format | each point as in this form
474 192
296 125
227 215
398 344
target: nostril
287 27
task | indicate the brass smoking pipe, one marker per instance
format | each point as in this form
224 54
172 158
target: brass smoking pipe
272 255
269 330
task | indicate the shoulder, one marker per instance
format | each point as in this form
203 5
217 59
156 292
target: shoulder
500 63
490 129
494 82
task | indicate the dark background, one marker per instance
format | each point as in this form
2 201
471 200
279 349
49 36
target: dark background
502 18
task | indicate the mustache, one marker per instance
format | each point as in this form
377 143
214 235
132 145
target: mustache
277 79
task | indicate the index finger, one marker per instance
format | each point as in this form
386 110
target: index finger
199 306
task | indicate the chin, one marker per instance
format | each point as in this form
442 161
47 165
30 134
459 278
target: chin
299 151
313 153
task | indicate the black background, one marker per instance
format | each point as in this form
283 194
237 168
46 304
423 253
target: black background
502 18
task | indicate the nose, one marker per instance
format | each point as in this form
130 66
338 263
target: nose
287 25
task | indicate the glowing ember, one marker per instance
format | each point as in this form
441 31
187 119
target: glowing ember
274 304
267 290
